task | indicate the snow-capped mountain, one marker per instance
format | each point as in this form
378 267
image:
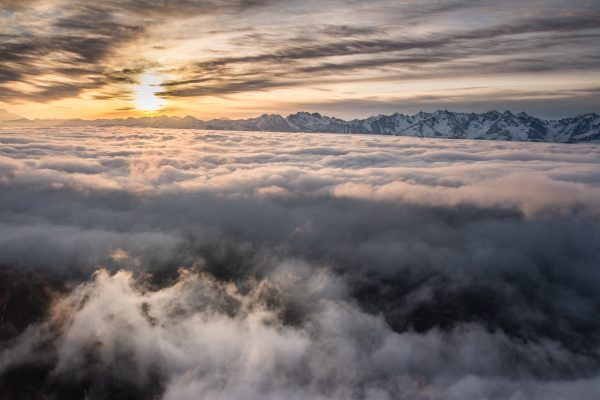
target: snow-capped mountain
584 127
491 125
266 122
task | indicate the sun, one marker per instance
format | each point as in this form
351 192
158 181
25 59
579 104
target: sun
145 93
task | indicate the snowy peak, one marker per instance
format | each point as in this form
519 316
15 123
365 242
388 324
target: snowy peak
517 127
443 123
491 125
315 122
584 127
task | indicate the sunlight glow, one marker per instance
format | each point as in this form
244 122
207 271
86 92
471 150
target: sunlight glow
145 93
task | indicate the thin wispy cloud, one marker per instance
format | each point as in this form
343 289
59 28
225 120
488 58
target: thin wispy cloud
219 54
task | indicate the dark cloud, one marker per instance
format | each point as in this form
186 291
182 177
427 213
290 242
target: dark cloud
15 5
80 43
74 46
291 63
80 38
348 30
380 46
169 264
550 105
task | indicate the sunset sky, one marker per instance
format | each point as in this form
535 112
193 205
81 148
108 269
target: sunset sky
241 58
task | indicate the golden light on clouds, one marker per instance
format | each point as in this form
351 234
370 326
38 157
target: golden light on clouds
145 91
240 59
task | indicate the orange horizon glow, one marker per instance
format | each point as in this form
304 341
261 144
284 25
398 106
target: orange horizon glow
172 60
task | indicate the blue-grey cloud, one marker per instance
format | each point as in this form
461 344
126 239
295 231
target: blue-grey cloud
296 265
78 42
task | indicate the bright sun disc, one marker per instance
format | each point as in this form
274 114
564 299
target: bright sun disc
145 93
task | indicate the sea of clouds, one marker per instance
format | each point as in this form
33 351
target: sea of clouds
167 264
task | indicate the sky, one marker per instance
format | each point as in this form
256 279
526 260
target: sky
242 58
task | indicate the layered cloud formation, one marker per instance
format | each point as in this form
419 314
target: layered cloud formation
240 265
350 58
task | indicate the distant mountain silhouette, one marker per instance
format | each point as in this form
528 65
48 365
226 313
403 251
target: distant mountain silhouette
491 125
6 116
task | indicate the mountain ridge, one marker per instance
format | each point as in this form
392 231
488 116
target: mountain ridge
7 116
490 125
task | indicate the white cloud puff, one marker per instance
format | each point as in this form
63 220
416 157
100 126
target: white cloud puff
247 265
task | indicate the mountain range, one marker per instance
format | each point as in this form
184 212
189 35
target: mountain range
492 125
6 116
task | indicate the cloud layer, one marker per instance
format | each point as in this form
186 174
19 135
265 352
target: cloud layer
240 265
326 54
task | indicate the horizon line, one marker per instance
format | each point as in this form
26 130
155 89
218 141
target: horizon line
159 115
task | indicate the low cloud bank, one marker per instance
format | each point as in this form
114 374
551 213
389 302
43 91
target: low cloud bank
194 264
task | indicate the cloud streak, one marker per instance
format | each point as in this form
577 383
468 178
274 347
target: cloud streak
56 50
